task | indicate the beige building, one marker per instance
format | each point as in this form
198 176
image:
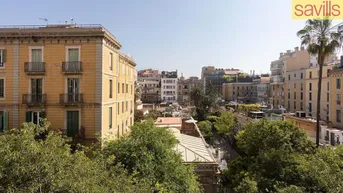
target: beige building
289 61
240 91
336 100
294 89
73 75
185 87
311 92
150 82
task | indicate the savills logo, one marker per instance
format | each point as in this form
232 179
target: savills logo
317 9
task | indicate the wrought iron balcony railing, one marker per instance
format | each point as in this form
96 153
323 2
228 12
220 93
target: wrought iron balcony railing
72 67
34 99
71 98
34 67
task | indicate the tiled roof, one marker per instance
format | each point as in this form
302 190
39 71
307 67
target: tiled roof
168 120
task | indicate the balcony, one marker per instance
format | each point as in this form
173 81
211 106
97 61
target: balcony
34 99
276 66
33 68
72 67
276 79
71 98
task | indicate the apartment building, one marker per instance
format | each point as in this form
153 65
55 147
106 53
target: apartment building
289 61
336 91
150 81
74 75
240 91
185 87
312 76
216 76
263 89
295 90
169 86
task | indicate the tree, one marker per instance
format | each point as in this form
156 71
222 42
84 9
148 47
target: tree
225 123
270 153
139 116
148 155
196 94
153 114
36 160
321 42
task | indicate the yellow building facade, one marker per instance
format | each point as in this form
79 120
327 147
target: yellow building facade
67 74
336 92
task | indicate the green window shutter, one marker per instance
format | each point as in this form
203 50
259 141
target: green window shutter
5 115
3 56
42 114
28 116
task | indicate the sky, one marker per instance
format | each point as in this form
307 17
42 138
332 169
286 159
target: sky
182 35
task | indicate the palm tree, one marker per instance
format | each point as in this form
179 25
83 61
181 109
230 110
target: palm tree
320 41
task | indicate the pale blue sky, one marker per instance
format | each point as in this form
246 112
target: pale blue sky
178 34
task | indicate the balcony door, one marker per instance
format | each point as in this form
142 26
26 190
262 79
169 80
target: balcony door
36 90
73 89
73 60
72 123
36 60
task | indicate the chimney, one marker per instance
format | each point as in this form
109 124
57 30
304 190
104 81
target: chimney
296 49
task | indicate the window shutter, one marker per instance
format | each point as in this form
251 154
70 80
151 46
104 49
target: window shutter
28 116
3 56
5 115
42 114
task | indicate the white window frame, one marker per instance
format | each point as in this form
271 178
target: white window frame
2 65
66 83
35 48
38 113
72 47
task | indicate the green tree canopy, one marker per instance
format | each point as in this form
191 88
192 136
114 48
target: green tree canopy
148 155
225 123
35 160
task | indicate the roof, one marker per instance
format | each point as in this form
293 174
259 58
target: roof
193 149
168 121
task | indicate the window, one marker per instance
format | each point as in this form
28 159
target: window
123 88
301 96
36 55
118 88
310 75
295 75
310 107
111 89
301 76
310 96
127 88
73 55
2 57
338 116
295 95
2 88
122 107
295 105
289 77
118 131
118 108
289 105
301 86
34 116
328 86
338 83
111 61
127 105
301 106
327 97
110 117
338 97
295 85
310 86
289 95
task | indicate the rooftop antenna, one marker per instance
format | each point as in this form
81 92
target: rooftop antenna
45 19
